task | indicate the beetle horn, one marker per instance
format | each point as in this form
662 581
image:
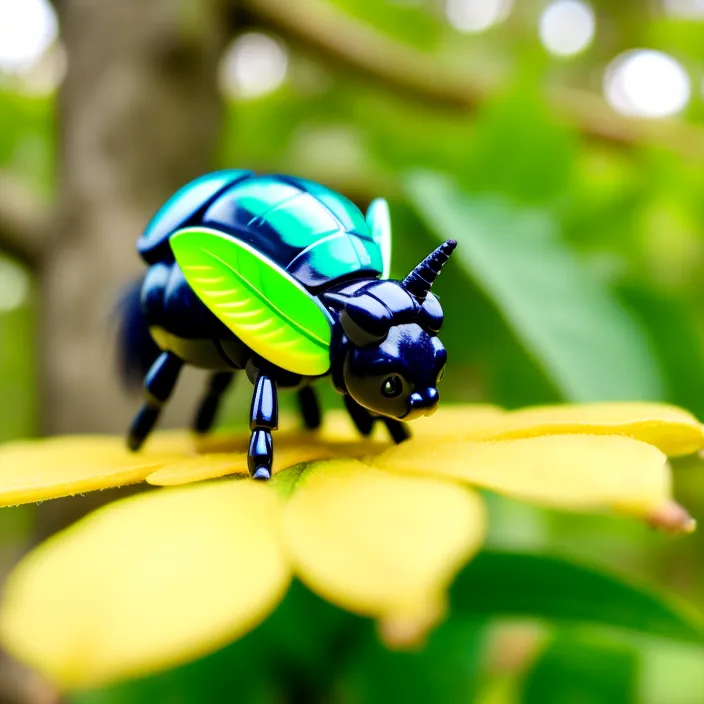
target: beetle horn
421 279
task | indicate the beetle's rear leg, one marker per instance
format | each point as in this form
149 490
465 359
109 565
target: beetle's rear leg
310 408
208 409
263 418
158 385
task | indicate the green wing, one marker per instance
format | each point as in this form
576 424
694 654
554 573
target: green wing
379 222
265 307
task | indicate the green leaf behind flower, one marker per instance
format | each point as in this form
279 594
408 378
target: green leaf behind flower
533 585
445 671
576 667
588 344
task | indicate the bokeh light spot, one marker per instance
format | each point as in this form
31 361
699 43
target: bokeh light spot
476 15
27 30
692 9
646 83
254 64
44 76
14 286
337 149
567 27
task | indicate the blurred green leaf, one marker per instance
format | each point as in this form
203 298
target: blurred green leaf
307 638
235 673
534 585
518 149
588 345
576 669
677 342
444 671
671 674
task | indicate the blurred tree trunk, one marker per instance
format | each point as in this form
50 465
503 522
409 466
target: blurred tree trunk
139 115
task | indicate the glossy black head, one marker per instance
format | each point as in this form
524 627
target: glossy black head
394 359
399 376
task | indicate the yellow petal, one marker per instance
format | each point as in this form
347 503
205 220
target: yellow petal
379 543
147 583
671 429
35 470
586 472
187 470
338 426
457 419
410 631
214 466
226 456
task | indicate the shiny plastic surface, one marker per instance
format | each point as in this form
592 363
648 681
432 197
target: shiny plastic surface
184 208
265 274
264 306
313 233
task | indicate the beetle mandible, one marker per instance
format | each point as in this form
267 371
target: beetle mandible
287 280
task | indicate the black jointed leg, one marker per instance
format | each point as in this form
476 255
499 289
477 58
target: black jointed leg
264 417
208 409
310 408
397 430
361 417
158 385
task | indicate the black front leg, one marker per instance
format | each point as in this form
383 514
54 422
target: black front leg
397 430
263 418
361 417
364 422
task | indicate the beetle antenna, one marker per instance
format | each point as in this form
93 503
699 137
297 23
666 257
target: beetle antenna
421 279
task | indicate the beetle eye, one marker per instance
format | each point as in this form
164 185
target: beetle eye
392 386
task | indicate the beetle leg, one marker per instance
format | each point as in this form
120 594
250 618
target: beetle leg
208 409
361 417
158 385
263 418
310 408
397 430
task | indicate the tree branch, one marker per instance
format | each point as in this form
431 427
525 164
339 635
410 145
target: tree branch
22 221
345 40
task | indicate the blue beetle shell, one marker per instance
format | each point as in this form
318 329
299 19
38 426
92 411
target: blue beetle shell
315 234
184 208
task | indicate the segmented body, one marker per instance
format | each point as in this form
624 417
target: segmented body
314 234
287 280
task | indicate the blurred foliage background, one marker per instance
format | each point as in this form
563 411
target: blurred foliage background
559 141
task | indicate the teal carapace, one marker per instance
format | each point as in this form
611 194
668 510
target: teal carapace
185 207
288 281
315 234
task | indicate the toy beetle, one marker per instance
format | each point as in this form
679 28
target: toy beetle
286 279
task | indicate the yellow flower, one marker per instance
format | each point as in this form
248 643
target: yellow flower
156 580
